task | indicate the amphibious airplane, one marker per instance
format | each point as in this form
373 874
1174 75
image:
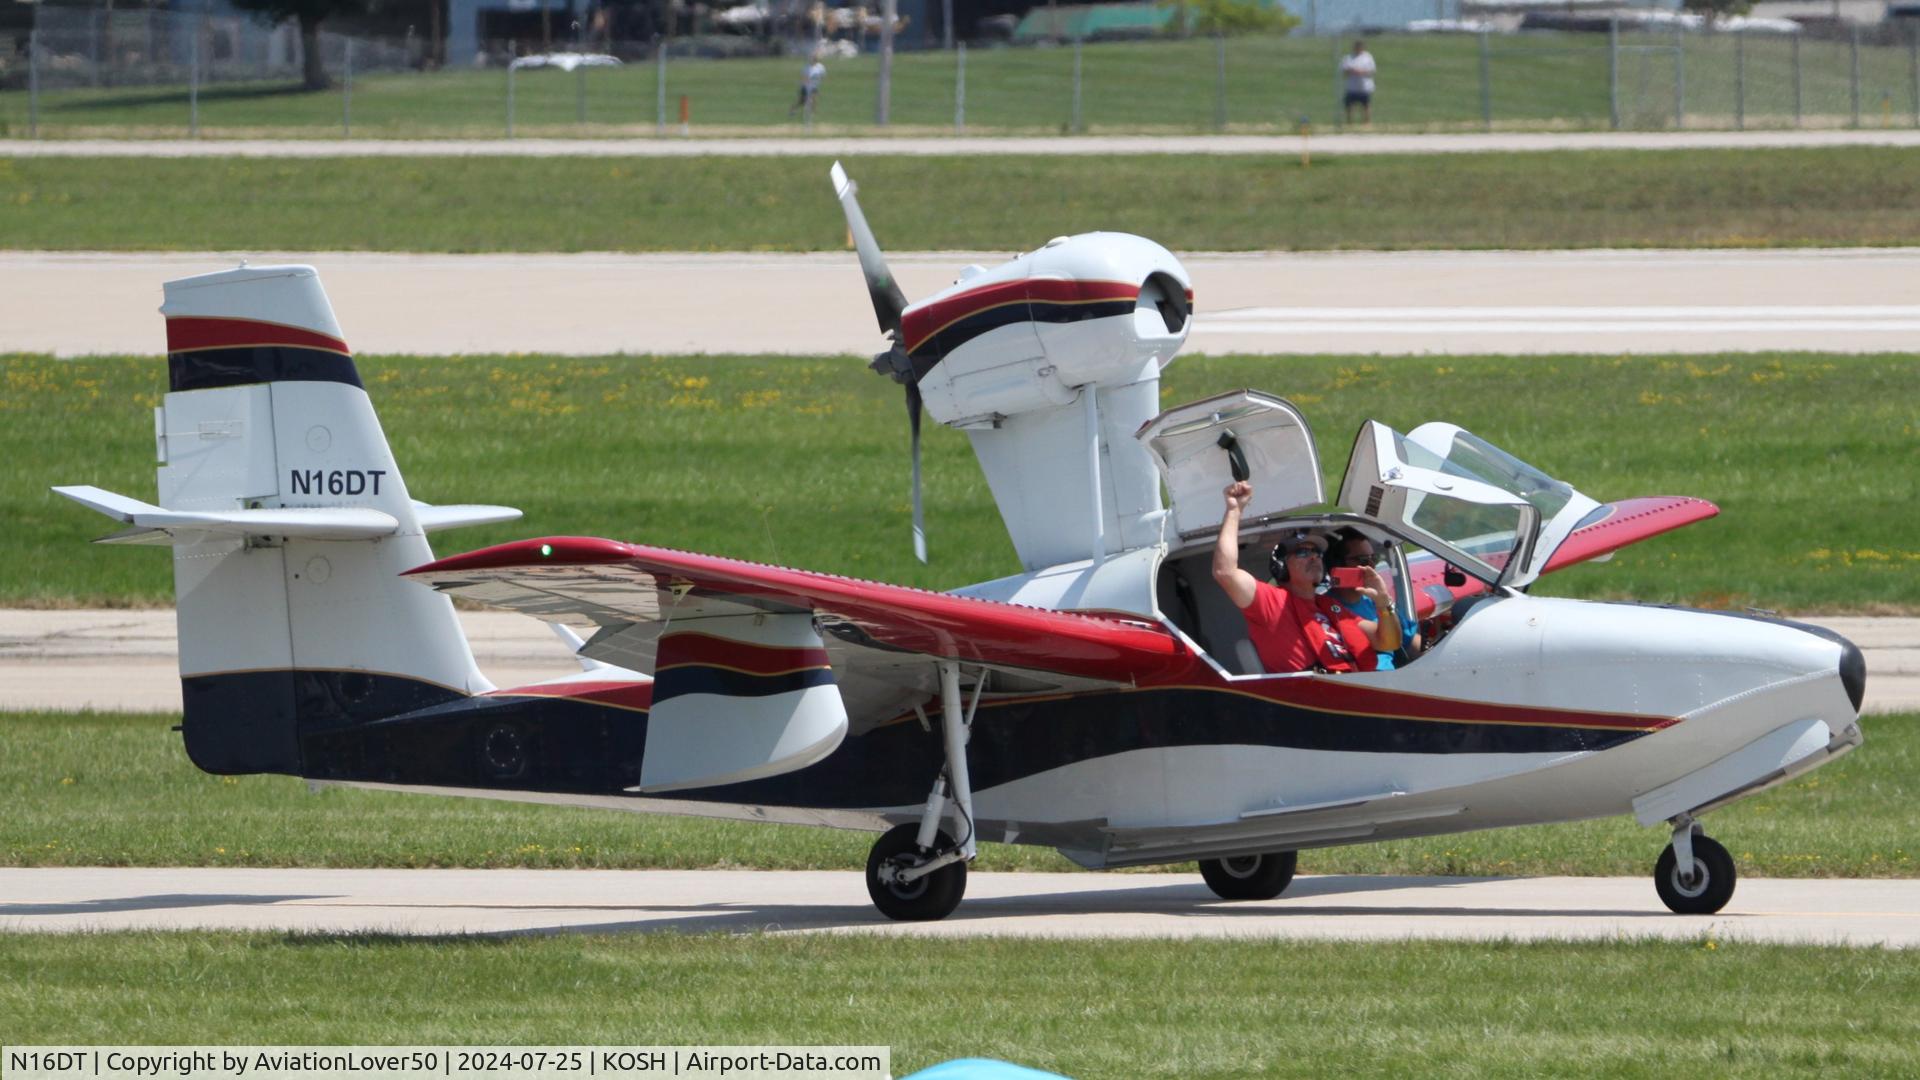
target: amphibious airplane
1105 701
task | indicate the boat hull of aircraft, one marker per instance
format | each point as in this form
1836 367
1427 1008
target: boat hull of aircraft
1206 765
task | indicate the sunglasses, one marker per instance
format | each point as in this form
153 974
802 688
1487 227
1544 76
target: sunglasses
1302 551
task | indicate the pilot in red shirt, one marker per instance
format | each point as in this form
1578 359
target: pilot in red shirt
1292 627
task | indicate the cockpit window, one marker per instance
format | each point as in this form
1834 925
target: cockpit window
1471 456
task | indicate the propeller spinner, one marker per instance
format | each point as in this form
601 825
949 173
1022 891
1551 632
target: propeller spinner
888 304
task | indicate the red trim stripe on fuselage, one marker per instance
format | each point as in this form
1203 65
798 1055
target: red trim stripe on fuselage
1333 694
619 694
921 325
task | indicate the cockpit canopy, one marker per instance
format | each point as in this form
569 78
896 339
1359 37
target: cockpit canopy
1441 487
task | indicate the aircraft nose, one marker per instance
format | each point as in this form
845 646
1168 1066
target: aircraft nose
1853 672
1853 665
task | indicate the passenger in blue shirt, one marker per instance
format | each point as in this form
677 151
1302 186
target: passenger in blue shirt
1353 549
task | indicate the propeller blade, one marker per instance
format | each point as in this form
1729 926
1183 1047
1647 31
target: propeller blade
888 301
919 512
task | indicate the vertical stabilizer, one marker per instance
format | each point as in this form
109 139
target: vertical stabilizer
283 638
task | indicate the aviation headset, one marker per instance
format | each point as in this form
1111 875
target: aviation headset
1277 562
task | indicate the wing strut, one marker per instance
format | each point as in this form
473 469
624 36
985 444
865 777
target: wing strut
956 727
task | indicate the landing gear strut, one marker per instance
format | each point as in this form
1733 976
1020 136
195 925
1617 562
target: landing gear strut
916 872
1695 875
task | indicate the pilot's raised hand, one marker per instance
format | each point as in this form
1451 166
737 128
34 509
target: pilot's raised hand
1239 494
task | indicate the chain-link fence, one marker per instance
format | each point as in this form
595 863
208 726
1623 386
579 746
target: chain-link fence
91 72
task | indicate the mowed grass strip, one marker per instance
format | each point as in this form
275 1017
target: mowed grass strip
1849 196
1814 461
1087 1009
114 790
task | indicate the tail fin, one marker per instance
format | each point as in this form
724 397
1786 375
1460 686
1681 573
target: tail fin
290 525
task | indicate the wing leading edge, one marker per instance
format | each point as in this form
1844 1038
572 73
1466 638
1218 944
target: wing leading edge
612 583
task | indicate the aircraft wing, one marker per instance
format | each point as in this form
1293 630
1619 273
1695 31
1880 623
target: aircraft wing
1608 529
876 633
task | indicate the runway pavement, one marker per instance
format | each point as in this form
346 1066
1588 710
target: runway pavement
1596 302
761 144
1011 904
128 660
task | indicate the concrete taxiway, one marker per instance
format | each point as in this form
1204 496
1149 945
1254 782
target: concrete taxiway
1388 303
1858 913
128 660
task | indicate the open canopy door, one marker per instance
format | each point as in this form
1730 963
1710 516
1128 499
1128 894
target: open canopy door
1561 508
1480 527
1198 445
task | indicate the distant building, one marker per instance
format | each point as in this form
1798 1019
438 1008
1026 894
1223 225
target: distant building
483 29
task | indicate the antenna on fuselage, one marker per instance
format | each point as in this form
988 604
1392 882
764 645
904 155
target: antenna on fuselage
888 304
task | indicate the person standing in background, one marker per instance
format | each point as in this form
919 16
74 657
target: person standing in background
1358 68
810 80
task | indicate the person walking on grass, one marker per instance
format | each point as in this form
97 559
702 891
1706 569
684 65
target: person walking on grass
810 80
1358 68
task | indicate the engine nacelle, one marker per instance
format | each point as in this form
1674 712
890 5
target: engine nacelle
1098 309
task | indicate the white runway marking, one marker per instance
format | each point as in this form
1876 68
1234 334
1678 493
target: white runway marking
1768 321
77 303
1547 311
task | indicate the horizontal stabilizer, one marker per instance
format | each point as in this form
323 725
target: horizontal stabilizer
313 523
436 518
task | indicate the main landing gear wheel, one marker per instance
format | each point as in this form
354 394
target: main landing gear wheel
1250 877
1703 891
923 899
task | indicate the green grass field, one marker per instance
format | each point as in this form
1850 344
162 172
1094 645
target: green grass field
1812 459
1085 1009
1835 197
72 784
1271 83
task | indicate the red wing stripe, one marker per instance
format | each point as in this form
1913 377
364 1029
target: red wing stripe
1629 521
189 333
934 624
690 647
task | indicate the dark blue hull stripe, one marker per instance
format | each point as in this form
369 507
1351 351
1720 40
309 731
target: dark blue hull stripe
210 369
327 729
702 679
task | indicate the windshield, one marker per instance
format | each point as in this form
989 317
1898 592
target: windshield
1471 456
1487 531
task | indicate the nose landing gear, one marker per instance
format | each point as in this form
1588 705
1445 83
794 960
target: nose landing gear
1695 875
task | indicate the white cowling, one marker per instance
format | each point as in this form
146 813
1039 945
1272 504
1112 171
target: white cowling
1051 401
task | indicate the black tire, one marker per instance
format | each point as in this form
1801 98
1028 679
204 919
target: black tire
1710 888
1250 877
925 900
